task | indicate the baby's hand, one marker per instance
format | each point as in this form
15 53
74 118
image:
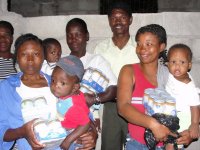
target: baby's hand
194 130
169 146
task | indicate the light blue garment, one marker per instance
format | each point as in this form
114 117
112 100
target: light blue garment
55 145
10 110
63 106
162 75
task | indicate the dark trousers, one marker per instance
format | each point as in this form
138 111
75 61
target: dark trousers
114 128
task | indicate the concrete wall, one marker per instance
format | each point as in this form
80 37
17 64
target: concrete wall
179 5
180 27
54 7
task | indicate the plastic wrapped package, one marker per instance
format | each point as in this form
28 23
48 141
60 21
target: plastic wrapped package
50 133
172 122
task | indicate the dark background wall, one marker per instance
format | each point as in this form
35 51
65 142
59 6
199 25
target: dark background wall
29 8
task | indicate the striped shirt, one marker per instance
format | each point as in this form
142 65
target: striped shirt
6 68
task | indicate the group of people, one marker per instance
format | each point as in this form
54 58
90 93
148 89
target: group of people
121 119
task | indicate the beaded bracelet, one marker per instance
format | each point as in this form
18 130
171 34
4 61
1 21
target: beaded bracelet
97 99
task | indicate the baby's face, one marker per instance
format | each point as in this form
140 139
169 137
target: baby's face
53 53
61 83
179 64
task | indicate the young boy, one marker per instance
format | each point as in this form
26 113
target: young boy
52 53
71 106
182 88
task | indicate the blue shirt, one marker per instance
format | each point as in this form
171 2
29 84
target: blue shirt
10 110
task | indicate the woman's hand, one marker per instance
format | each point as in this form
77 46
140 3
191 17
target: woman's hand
185 138
27 130
161 132
88 140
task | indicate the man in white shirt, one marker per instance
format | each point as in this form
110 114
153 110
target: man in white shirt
118 51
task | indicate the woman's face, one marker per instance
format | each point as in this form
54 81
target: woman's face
76 38
30 57
148 47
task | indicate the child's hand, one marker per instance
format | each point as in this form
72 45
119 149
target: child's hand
65 144
88 140
194 130
97 124
169 146
185 138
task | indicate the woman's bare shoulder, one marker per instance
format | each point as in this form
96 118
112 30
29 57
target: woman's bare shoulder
127 68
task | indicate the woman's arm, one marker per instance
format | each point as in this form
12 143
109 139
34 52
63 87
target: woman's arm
26 131
126 83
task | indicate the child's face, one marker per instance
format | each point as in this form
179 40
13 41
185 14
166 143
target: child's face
30 57
76 38
179 63
62 84
148 47
53 53
6 40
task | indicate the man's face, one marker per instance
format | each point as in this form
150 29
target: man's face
119 22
